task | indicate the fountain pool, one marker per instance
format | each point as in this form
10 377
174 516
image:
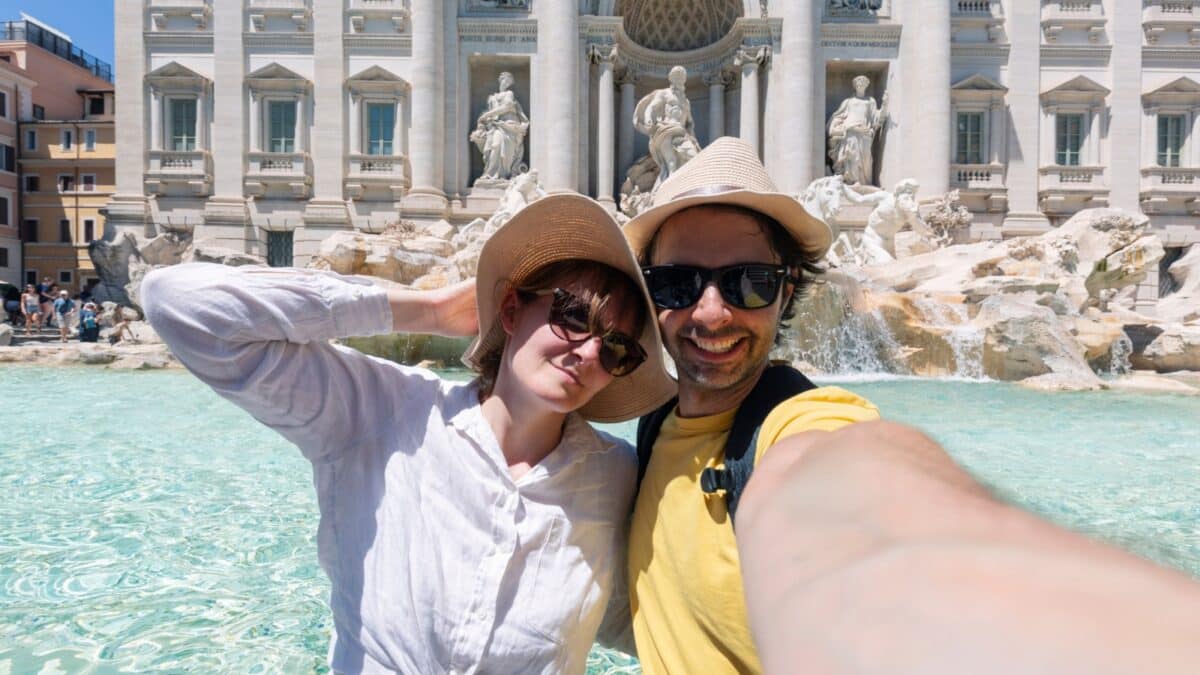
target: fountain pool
150 525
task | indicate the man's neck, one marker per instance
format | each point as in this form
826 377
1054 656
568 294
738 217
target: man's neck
699 401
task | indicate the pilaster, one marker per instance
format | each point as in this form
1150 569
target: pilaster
1028 140
127 210
225 214
428 121
328 147
603 57
558 55
748 60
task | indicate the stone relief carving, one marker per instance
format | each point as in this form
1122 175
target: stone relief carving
499 4
852 130
665 115
854 7
500 135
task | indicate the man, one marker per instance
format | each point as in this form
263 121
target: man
725 256
63 306
862 548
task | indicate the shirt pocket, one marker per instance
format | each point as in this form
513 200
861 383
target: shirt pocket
572 578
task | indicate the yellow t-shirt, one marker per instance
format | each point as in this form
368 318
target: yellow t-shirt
685 583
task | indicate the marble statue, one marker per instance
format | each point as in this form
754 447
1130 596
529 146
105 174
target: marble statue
524 189
852 130
500 135
893 212
855 6
665 115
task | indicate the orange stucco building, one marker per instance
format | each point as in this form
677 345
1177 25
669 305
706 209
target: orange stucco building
65 152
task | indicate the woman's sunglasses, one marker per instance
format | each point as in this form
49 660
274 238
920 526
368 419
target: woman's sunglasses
745 286
569 320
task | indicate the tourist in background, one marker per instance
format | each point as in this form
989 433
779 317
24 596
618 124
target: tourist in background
47 291
63 306
31 308
89 324
465 526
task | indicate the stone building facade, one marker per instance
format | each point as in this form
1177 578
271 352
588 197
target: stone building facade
266 124
13 81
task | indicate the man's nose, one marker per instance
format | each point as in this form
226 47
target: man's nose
710 309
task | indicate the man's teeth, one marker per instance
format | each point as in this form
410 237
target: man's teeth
715 346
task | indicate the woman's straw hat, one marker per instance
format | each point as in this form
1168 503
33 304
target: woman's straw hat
728 171
564 227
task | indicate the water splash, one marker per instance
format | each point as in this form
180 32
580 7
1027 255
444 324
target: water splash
965 339
861 343
1119 354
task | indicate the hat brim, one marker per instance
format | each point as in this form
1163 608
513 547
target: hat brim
566 227
812 233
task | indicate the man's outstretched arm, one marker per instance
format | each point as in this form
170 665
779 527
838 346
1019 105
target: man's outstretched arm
868 550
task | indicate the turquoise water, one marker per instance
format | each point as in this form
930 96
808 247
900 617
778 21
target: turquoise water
150 525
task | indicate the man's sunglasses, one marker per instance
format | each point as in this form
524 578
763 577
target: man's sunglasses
570 320
745 286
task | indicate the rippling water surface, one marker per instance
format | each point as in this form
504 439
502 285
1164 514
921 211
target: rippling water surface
150 525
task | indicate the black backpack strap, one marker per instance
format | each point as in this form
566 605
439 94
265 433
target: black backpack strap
647 432
777 384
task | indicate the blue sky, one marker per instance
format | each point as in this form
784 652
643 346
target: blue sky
88 22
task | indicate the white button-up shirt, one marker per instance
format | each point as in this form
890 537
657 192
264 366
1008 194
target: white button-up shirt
440 562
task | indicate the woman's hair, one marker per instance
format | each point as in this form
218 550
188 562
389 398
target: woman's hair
593 282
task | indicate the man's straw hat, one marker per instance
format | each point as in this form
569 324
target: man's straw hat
564 227
728 171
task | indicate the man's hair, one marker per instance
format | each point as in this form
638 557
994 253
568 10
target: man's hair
593 282
803 261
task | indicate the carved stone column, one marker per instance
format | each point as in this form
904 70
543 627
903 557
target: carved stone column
628 80
603 57
716 81
428 123
558 54
748 59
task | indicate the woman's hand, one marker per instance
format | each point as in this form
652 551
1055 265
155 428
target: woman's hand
454 310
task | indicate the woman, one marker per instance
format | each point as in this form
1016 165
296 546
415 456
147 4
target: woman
464 526
31 308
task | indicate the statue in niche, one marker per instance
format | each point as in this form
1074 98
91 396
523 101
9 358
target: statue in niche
852 130
665 115
500 135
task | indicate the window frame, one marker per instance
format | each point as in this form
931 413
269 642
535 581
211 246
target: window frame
4 257
65 235
6 210
31 135
171 138
268 110
4 105
72 187
39 112
29 226
89 230
8 158
1065 153
66 277
388 142
34 179
83 183
1164 155
92 100
66 139
89 140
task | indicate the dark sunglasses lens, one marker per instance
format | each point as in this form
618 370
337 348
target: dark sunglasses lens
674 287
620 354
750 286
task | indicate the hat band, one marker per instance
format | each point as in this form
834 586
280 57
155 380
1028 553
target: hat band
707 190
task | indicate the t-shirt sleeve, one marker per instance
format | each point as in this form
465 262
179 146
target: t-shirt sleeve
821 409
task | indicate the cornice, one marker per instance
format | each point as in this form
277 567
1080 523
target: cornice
478 27
1076 52
174 40
981 50
401 43
278 40
1173 55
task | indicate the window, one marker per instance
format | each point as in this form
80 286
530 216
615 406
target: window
183 124
282 127
969 140
39 112
3 210
67 139
89 229
33 183
381 125
64 231
66 277
88 182
31 277
1170 139
279 249
89 139
3 257
29 230
31 140
96 105
8 158
66 182
3 104
1069 139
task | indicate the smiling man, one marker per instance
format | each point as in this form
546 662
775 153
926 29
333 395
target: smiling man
726 256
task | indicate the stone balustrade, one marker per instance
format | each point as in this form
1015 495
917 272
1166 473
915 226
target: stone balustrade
389 172
1067 189
976 175
190 171
278 169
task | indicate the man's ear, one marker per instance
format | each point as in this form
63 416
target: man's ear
793 280
508 311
